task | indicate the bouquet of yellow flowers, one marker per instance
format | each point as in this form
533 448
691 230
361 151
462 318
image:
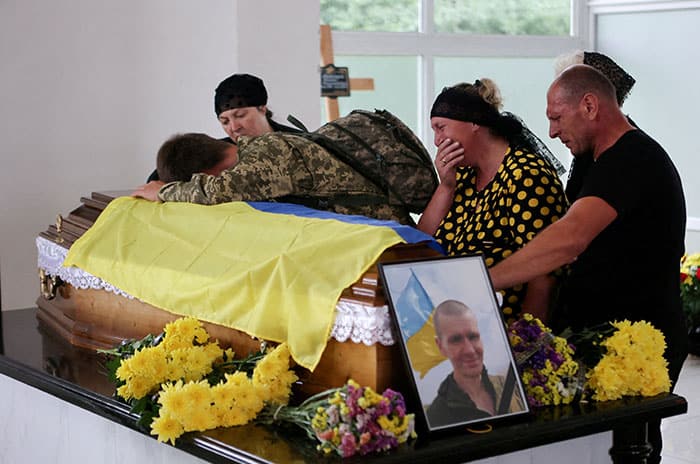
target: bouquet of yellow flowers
179 381
632 363
602 363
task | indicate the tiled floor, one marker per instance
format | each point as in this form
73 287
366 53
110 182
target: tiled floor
681 434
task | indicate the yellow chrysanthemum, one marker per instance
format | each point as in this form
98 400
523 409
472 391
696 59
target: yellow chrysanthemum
166 428
172 398
633 364
179 365
183 333
222 395
272 376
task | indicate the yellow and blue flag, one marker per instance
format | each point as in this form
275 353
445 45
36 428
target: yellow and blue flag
413 307
415 310
274 276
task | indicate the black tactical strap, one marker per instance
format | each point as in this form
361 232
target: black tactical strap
296 123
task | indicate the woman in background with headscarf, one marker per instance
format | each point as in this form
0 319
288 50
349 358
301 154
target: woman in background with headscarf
623 84
498 186
240 104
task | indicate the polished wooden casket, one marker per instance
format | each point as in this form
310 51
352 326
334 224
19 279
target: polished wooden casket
90 313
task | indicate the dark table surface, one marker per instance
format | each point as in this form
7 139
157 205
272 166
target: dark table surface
38 357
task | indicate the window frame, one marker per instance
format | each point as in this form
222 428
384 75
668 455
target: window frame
427 44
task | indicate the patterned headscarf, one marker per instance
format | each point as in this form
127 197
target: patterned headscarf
622 81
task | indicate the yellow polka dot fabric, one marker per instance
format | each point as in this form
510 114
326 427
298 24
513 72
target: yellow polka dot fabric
524 197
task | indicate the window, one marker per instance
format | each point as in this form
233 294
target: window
406 43
395 83
371 15
504 17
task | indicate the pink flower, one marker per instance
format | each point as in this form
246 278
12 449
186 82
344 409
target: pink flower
348 445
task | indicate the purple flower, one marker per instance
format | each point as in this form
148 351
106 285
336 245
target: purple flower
383 408
400 410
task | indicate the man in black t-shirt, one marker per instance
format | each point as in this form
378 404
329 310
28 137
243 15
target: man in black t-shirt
624 235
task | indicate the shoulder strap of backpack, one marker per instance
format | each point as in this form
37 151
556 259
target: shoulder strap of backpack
342 153
296 123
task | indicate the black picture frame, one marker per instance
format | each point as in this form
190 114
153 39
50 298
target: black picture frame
414 289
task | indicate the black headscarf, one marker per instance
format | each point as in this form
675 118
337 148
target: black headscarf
462 105
239 91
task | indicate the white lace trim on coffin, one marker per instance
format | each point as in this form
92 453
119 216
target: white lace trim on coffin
353 321
50 259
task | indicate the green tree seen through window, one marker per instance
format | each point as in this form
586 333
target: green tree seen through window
501 17
370 15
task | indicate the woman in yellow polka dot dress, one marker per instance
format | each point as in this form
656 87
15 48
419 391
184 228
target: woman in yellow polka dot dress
498 186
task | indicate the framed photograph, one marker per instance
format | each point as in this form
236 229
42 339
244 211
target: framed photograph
453 341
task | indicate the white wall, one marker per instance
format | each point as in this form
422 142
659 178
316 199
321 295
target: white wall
89 89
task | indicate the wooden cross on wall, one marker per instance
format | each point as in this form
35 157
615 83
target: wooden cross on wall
357 83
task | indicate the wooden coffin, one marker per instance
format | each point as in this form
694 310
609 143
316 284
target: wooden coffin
94 318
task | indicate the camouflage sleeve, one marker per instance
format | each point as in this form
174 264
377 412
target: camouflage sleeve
263 173
202 188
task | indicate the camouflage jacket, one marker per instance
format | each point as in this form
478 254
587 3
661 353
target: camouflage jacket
286 167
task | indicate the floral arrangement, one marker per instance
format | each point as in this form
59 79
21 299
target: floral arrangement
180 381
632 364
603 363
545 361
690 288
350 420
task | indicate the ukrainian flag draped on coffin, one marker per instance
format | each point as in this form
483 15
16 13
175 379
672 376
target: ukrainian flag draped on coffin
273 276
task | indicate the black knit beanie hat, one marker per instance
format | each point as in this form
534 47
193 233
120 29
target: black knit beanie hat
239 91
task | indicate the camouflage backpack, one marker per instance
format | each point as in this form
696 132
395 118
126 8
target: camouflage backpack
384 150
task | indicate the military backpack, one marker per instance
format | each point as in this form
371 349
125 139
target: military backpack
380 147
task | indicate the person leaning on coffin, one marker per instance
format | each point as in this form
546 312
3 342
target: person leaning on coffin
183 155
275 166
240 104
498 186
469 392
